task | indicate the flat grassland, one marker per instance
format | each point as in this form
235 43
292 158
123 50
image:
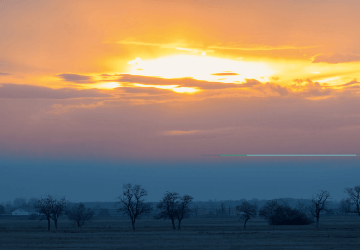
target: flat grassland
198 233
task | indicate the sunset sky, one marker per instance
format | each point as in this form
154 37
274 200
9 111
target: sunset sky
144 88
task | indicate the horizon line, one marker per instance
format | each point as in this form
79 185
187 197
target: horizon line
285 155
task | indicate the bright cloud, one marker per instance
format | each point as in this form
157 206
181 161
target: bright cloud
136 61
202 68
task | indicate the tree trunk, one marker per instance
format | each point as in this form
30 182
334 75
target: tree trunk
133 224
48 223
55 224
173 223
245 223
317 221
179 224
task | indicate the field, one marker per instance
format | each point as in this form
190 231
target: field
226 233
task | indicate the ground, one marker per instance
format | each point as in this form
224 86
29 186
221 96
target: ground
205 233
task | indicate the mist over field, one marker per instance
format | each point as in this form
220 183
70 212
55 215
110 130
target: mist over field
212 178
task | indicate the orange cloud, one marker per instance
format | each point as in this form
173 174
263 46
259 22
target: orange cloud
183 82
353 82
261 47
336 58
270 113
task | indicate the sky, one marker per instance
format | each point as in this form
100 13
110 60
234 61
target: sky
95 94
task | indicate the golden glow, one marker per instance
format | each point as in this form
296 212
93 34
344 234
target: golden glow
329 80
155 86
200 68
332 74
105 85
185 90
174 88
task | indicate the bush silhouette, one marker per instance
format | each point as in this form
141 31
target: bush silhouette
278 213
285 215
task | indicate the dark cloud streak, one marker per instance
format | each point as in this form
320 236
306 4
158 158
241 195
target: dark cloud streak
353 82
183 82
76 78
37 92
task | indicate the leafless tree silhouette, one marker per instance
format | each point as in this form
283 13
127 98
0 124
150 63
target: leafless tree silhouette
354 197
268 211
58 209
247 211
183 208
168 207
44 206
80 214
319 203
133 203
51 208
345 206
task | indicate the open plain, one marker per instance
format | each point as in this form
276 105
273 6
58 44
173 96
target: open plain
337 232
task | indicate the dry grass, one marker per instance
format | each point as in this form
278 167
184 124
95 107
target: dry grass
334 233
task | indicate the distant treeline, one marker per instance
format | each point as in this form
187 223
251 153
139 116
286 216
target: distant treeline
215 207
175 207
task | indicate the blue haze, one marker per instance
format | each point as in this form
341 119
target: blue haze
102 180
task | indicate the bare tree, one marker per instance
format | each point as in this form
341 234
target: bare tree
345 206
268 211
80 214
248 211
319 203
58 209
44 207
51 208
133 202
354 197
168 207
183 208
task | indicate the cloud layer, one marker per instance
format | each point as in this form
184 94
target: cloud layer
70 44
76 78
182 82
35 92
337 58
